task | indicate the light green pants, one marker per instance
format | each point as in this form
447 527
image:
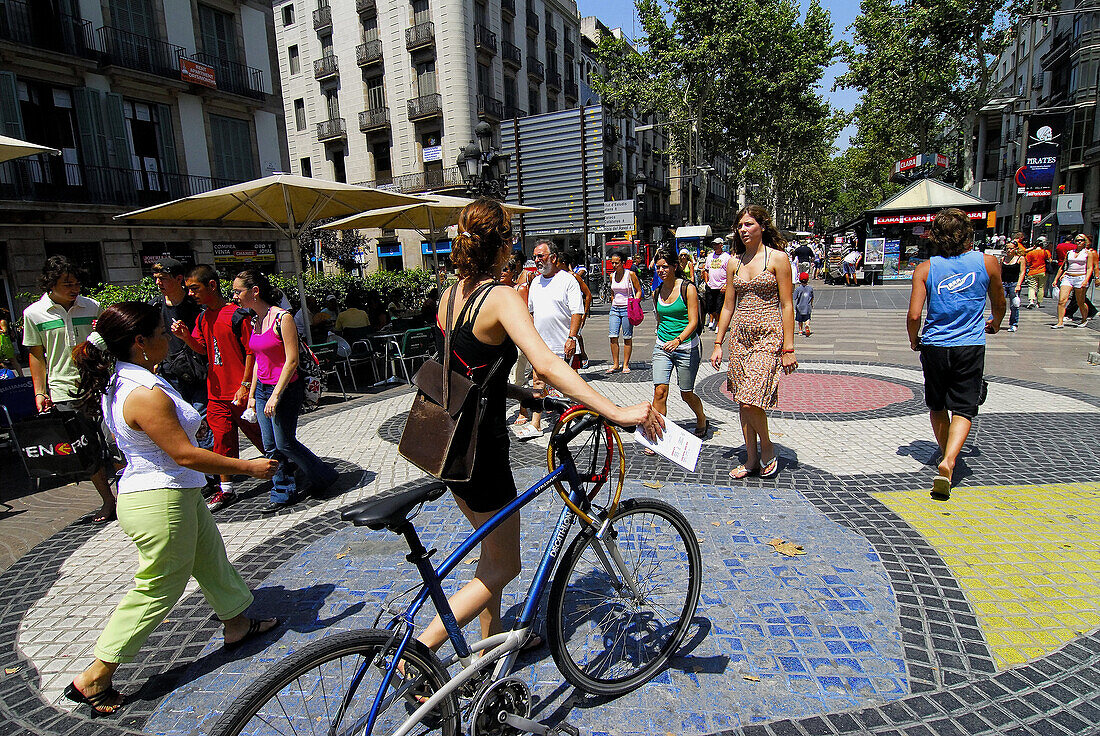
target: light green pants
177 539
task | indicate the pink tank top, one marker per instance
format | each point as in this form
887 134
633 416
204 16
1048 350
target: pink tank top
270 355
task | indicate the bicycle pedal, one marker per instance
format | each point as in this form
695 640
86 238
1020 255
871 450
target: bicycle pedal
564 729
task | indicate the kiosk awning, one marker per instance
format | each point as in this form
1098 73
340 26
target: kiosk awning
693 231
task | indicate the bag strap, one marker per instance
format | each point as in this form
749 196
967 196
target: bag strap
483 292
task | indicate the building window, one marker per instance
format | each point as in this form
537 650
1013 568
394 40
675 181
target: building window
421 11
299 114
510 95
383 169
339 170
370 29
551 103
533 101
307 167
231 143
288 14
143 136
481 14
219 33
376 94
484 80
326 45
295 62
332 103
425 78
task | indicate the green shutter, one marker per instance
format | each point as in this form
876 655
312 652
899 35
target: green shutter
118 147
89 121
166 150
11 117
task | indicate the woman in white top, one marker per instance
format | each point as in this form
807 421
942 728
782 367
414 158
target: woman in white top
1073 278
624 286
160 504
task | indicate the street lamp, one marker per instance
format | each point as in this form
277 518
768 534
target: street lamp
484 168
639 192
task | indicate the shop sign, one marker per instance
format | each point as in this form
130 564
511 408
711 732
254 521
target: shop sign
244 252
941 160
152 252
874 251
433 153
910 219
197 72
1043 149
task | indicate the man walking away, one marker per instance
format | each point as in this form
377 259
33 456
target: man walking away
52 327
715 290
954 282
1036 258
803 303
804 256
221 333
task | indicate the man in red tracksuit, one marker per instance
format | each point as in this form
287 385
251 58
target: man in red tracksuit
221 333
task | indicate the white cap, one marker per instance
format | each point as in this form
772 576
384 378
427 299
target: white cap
717 240
685 252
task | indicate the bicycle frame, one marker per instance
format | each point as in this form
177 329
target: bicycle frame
505 646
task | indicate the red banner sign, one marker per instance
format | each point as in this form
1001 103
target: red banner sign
199 73
910 219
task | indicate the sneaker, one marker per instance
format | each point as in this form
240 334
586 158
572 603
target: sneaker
1031 305
1012 328
1057 327
221 499
1082 323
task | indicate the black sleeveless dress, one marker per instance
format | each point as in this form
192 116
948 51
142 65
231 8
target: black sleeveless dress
491 486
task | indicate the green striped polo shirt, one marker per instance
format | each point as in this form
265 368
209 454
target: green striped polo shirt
58 331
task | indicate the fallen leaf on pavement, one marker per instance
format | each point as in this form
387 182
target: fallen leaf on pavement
343 554
11 670
651 484
716 523
750 678
786 547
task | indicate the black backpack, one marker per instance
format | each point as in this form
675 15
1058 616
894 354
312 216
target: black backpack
683 295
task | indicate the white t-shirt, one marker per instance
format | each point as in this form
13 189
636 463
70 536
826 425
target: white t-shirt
852 258
716 270
553 302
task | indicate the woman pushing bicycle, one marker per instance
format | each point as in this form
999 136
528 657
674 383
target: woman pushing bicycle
491 324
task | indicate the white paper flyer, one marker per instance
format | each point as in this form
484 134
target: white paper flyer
677 444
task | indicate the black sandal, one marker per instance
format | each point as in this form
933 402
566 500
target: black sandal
254 630
72 692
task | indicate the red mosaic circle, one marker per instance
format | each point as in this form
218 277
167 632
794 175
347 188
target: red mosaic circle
831 393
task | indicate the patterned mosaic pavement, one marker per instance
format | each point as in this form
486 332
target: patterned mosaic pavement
974 616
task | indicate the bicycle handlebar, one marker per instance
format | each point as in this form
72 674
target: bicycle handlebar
529 399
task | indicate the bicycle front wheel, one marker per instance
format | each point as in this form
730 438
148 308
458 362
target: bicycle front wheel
619 607
329 686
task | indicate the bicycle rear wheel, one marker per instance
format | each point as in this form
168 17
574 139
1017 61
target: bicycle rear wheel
311 691
604 639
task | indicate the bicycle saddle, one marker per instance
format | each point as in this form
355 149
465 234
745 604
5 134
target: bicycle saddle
391 512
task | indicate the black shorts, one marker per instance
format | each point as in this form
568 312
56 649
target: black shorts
953 378
713 300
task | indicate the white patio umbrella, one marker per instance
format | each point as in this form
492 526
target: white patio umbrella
14 148
288 203
436 212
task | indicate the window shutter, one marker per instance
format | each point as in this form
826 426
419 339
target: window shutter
166 139
11 117
93 149
118 148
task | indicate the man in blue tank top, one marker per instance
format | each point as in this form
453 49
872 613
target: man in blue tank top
954 283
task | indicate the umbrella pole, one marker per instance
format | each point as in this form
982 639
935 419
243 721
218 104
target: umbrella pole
435 252
296 250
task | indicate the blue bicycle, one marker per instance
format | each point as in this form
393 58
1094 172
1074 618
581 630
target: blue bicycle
621 600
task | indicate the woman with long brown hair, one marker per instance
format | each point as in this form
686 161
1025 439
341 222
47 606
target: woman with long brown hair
487 325
160 504
759 311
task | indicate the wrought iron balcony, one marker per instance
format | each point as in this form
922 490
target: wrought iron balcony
489 107
610 134
532 21
67 35
509 7
322 18
326 67
330 130
647 148
570 49
551 35
571 90
535 69
511 112
424 181
145 54
484 39
234 77
376 118
425 106
366 7
511 55
631 143
420 35
368 53
553 80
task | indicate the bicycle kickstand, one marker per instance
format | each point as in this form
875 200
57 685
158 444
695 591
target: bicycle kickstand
541 729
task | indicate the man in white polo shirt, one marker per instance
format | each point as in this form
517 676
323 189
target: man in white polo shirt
52 327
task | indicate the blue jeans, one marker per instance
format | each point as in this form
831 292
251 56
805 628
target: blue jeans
1014 311
620 324
280 443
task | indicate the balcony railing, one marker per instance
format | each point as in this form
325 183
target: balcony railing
511 55
65 34
535 68
420 35
368 53
328 130
145 54
326 67
366 6
489 107
322 18
425 106
647 148
532 21
511 112
551 35
553 79
377 118
571 90
234 77
433 179
570 49
32 180
631 143
509 7
610 134
484 39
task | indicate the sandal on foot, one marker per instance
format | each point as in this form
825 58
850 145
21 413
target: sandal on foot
941 488
534 641
770 468
613 369
742 471
702 431
254 629
520 421
96 702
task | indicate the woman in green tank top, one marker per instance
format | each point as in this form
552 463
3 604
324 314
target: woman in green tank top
676 305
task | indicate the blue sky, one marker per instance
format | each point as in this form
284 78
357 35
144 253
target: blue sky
621 13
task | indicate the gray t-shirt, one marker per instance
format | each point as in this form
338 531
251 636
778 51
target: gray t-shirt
803 297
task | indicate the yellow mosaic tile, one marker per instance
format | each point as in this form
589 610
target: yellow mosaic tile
1033 588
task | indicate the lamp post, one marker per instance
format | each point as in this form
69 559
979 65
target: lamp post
639 207
485 168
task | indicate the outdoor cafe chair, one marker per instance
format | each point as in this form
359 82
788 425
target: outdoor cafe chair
413 348
328 358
